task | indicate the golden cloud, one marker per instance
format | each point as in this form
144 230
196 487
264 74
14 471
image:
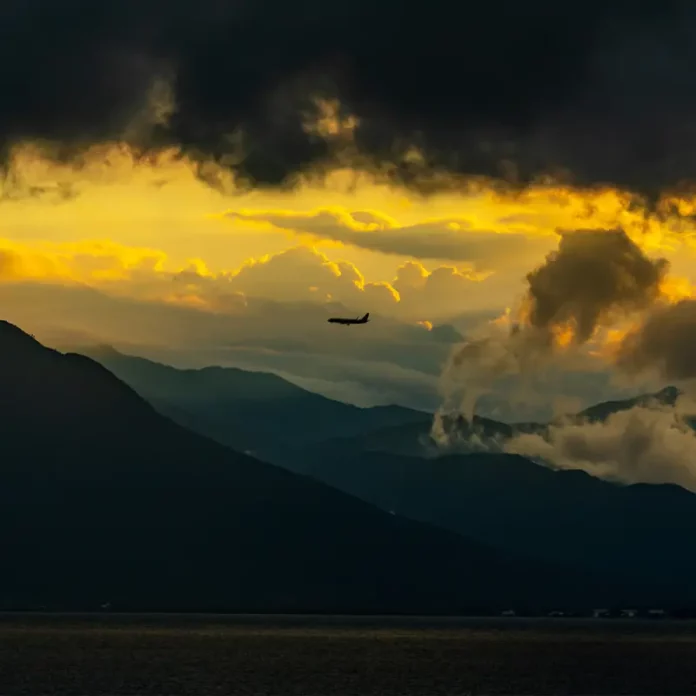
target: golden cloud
299 274
162 205
114 184
98 261
451 239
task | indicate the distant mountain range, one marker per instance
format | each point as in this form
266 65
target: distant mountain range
265 414
103 499
256 412
382 457
414 438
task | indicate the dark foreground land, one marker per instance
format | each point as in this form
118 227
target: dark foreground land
113 654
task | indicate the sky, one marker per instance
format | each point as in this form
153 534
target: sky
509 195
267 267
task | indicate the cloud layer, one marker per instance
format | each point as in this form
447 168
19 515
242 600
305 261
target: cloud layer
594 277
595 284
665 343
395 363
298 274
603 90
644 444
441 239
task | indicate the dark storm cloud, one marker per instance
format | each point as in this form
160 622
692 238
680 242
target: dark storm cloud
665 342
593 275
603 88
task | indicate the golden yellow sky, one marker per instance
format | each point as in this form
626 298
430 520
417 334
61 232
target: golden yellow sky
114 223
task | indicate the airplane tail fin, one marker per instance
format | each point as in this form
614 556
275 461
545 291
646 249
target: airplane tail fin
366 317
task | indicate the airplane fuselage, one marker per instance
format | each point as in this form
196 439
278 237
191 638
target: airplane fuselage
347 322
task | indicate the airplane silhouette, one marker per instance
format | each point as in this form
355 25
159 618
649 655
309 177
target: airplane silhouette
357 320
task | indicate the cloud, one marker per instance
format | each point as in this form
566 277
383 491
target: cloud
664 342
397 363
280 303
605 97
651 444
596 283
446 239
140 303
594 275
443 292
303 273
594 278
96 261
367 381
160 314
298 274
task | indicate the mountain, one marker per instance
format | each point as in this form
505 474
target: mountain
626 531
268 416
104 499
249 411
414 438
263 414
667 397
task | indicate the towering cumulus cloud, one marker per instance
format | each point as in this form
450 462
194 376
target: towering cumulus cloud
665 342
594 278
600 91
594 275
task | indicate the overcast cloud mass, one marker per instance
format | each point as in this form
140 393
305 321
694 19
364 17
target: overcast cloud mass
602 90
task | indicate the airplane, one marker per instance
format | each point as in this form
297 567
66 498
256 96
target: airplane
357 320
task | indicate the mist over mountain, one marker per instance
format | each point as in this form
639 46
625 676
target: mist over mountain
483 490
250 409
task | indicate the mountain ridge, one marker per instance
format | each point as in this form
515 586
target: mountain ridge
625 530
505 500
103 498
238 408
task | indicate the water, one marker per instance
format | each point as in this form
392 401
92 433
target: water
336 656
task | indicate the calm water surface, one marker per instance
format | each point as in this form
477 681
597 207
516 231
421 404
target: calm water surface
335 656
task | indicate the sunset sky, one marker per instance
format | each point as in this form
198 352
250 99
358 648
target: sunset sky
152 233
161 196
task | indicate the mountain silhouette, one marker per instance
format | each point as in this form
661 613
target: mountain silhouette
667 397
249 411
631 532
275 419
413 438
102 498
